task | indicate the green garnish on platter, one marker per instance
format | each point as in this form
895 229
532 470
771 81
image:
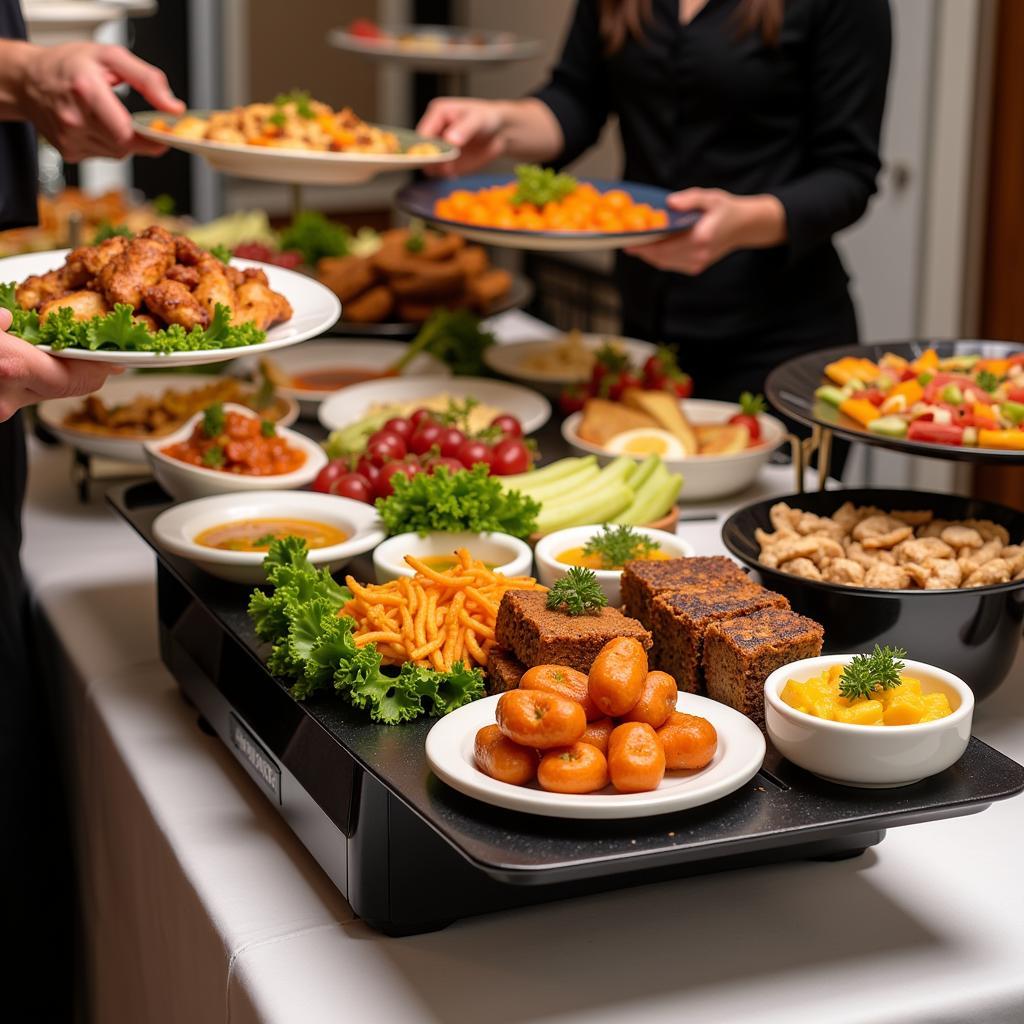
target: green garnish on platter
214 419
316 652
541 185
577 593
616 545
118 330
213 458
881 669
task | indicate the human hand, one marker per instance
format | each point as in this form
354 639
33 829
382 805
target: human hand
28 376
475 126
67 92
728 222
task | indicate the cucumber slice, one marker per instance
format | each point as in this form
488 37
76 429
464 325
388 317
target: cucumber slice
565 485
653 500
599 508
889 426
557 470
831 394
644 471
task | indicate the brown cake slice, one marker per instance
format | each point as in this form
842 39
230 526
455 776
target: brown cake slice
504 670
682 618
741 653
643 581
537 636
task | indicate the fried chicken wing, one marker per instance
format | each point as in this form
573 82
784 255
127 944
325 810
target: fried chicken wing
214 286
86 262
40 288
186 275
173 302
143 263
258 304
84 305
186 251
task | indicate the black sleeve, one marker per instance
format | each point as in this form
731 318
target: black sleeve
577 93
848 70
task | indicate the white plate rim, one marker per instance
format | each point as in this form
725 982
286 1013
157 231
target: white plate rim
279 336
494 355
330 412
451 738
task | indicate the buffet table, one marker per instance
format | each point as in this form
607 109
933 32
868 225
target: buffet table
201 905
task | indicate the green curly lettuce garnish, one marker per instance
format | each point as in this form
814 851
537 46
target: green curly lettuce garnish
314 648
469 499
118 330
541 185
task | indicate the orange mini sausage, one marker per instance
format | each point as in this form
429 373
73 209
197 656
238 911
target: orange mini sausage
580 768
537 719
497 756
617 676
562 681
597 734
636 758
689 741
657 700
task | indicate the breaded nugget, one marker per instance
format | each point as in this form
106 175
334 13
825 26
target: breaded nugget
346 276
393 261
371 307
40 288
473 260
431 281
440 247
415 312
486 289
175 304
84 305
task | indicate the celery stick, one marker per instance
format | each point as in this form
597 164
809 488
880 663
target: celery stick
613 473
563 467
644 470
563 486
653 500
609 502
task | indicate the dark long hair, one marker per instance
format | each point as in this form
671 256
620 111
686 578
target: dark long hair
622 18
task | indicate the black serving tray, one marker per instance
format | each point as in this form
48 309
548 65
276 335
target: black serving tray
361 797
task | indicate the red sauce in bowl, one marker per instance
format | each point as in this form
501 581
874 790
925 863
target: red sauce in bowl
240 446
333 380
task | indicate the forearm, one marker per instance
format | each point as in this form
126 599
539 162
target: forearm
14 62
763 221
530 131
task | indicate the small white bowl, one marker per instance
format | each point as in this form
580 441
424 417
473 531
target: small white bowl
552 545
184 482
869 756
704 476
510 555
176 529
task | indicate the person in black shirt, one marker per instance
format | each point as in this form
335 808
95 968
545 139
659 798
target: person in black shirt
764 115
66 92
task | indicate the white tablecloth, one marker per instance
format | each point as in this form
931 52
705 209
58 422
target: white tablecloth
202 906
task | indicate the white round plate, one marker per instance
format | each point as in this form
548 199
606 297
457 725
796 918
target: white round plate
354 403
116 391
356 354
509 359
176 528
740 752
295 166
437 47
314 309
704 476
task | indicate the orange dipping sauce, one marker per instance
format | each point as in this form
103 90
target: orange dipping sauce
332 380
241 447
575 556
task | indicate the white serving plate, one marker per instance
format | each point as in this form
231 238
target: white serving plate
512 557
498 47
704 476
508 360
314 309
118 390
184 481
176 528
551 545
353 404
339 354
294 166
740 752
869 756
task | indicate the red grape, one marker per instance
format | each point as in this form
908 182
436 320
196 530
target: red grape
334 469
508 425
368 468
383 446
425 436
400 426
355 486
384 487
417 416
510 456
471 452
450 440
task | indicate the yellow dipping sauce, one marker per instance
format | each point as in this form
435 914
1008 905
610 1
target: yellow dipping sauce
257 534
900 705
575 556
443 563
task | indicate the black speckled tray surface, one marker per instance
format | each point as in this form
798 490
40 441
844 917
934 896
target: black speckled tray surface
781 805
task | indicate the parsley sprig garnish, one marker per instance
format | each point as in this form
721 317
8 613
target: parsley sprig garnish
616 545
880 670
213 458
300 98
577 593
214 420
987 380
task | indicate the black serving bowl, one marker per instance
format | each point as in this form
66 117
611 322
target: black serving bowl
972 632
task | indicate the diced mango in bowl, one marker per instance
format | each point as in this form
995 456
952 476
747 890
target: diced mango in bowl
899 700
